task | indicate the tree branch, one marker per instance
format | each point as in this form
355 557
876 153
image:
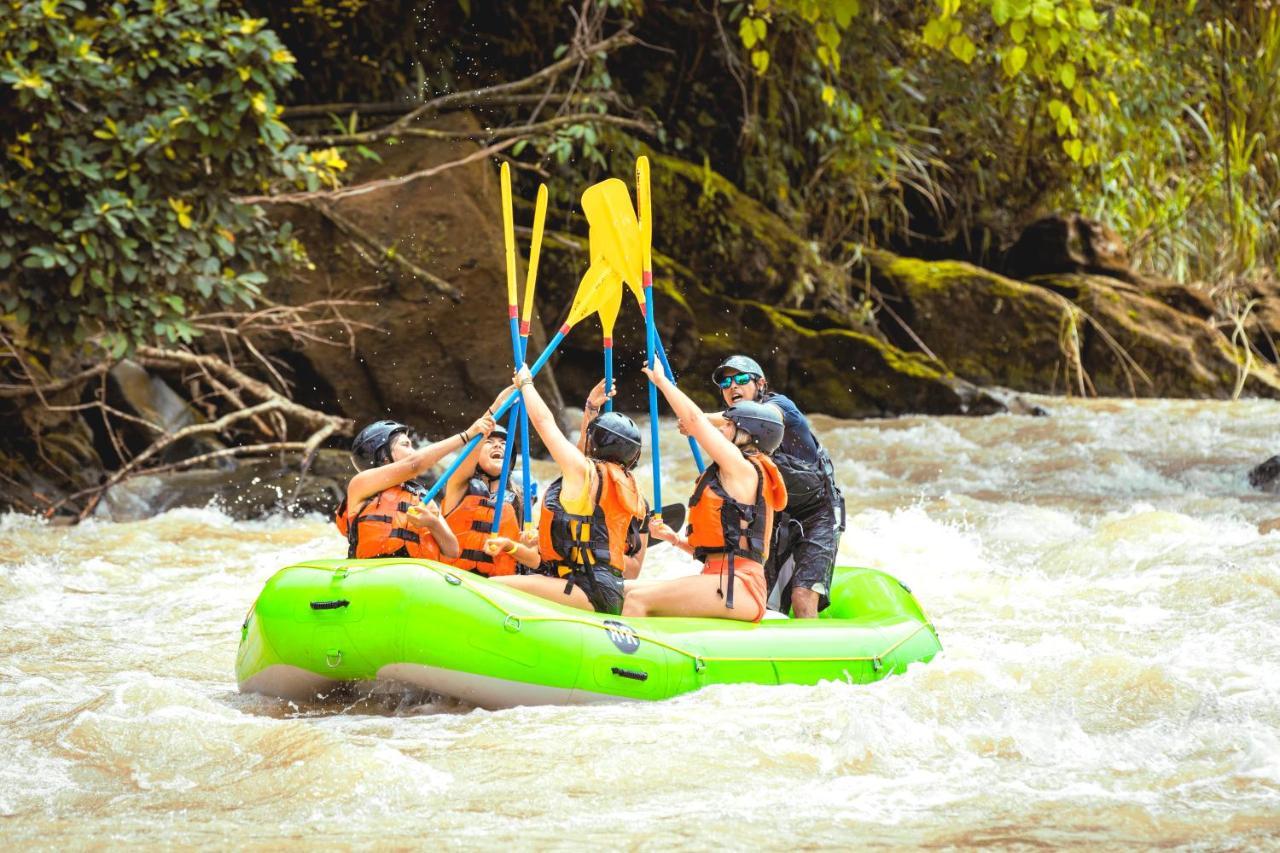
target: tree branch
492 133
371 186
355 232
575 55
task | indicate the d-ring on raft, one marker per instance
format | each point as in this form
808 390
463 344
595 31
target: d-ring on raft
456 634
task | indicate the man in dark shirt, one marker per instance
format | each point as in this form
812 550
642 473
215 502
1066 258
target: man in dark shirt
808 532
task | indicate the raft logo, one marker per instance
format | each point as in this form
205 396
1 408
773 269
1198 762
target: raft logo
623 636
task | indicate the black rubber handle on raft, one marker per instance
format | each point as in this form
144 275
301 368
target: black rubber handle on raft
330 605
631 673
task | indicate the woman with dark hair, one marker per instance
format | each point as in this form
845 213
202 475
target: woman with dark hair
731 514
589 531
383 514
470 501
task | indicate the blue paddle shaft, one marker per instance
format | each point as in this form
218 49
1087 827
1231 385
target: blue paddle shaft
608 378
666 368
527 491
513 424
651 335
502 410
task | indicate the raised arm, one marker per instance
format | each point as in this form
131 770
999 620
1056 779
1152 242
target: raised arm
456 488
733 465
595 401
374 480
572 461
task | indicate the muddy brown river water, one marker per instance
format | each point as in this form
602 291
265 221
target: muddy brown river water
1110 675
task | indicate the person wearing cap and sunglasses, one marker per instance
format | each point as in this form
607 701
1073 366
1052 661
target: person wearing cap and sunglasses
589 530
808 530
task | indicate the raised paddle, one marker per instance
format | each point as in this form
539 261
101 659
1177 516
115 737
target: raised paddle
517 354
535 249
608 317
585 303
616 231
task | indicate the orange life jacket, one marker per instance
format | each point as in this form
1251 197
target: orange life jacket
471 521
718 524
381 527
569 542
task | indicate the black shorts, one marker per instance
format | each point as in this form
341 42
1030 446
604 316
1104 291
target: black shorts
602 586
809 543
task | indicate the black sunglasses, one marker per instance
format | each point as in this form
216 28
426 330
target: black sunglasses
736 379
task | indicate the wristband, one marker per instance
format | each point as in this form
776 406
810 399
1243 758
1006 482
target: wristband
512 549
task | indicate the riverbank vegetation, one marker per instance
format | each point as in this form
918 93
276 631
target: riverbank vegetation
175 177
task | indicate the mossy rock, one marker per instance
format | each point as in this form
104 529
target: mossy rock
1032 336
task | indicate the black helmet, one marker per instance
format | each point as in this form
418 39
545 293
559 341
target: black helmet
738 364
614 437
758 420
370 446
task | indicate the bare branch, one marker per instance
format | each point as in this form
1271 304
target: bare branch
387 253
371 186
575 55
489 133
400 107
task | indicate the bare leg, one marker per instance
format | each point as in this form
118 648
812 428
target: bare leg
804 603
551 589
698 595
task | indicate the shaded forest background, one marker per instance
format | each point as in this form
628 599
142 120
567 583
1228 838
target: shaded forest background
229 231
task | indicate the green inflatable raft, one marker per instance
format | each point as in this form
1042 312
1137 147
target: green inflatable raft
456 634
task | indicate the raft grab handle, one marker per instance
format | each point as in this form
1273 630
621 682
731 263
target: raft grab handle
633 674
330 605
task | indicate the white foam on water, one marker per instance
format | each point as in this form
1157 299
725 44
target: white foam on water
1110 673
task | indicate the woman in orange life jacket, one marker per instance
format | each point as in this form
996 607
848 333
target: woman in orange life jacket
383 514
592 516
730 515
468 510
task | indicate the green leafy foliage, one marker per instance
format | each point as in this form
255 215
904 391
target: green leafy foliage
126 132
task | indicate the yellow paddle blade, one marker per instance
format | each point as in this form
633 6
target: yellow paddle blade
610 302
600 254
644 202
509 233
613 222
535 249
591 292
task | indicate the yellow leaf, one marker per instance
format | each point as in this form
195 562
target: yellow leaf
50 10
828 95
760 61
259 102
1014 60
249 26
183 211
30 81
282 55
244 73
1067 74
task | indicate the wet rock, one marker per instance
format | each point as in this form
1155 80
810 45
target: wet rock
1068 243
427 360
1060 332
133 389
251 489
1266 476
